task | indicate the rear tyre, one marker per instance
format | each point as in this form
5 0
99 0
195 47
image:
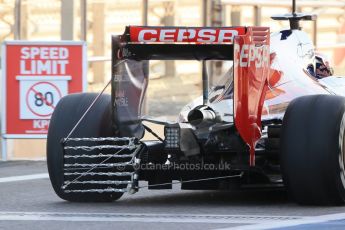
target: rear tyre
97 123
312 150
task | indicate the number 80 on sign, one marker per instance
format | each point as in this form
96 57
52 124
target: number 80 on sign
39 98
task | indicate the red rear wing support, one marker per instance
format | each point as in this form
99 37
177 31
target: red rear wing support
248 47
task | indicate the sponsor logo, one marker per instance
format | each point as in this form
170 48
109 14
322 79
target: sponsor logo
251 55
206 35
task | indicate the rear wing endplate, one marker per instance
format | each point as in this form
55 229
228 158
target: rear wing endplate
251 72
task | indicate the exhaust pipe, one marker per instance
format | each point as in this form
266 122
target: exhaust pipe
201 115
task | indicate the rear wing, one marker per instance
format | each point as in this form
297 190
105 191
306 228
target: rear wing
248 47
179 43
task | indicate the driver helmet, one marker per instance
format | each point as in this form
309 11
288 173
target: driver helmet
323 68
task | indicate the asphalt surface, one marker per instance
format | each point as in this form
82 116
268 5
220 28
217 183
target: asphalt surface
30 203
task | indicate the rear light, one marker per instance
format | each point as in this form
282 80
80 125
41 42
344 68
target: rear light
172 136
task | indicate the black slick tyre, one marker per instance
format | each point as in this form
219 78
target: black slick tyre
312 150
97 123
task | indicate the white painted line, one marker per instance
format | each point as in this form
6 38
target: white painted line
290 223
132 217
26 177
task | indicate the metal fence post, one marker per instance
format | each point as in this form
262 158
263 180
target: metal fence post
145 12
257 15
204 12
315 32
235 16
17 17
169 20
98 30
83 20
3 149
67 20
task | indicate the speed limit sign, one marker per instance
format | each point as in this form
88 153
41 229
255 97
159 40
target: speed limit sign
39 96
35 76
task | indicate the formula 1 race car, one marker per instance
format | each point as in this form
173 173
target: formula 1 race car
269 122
